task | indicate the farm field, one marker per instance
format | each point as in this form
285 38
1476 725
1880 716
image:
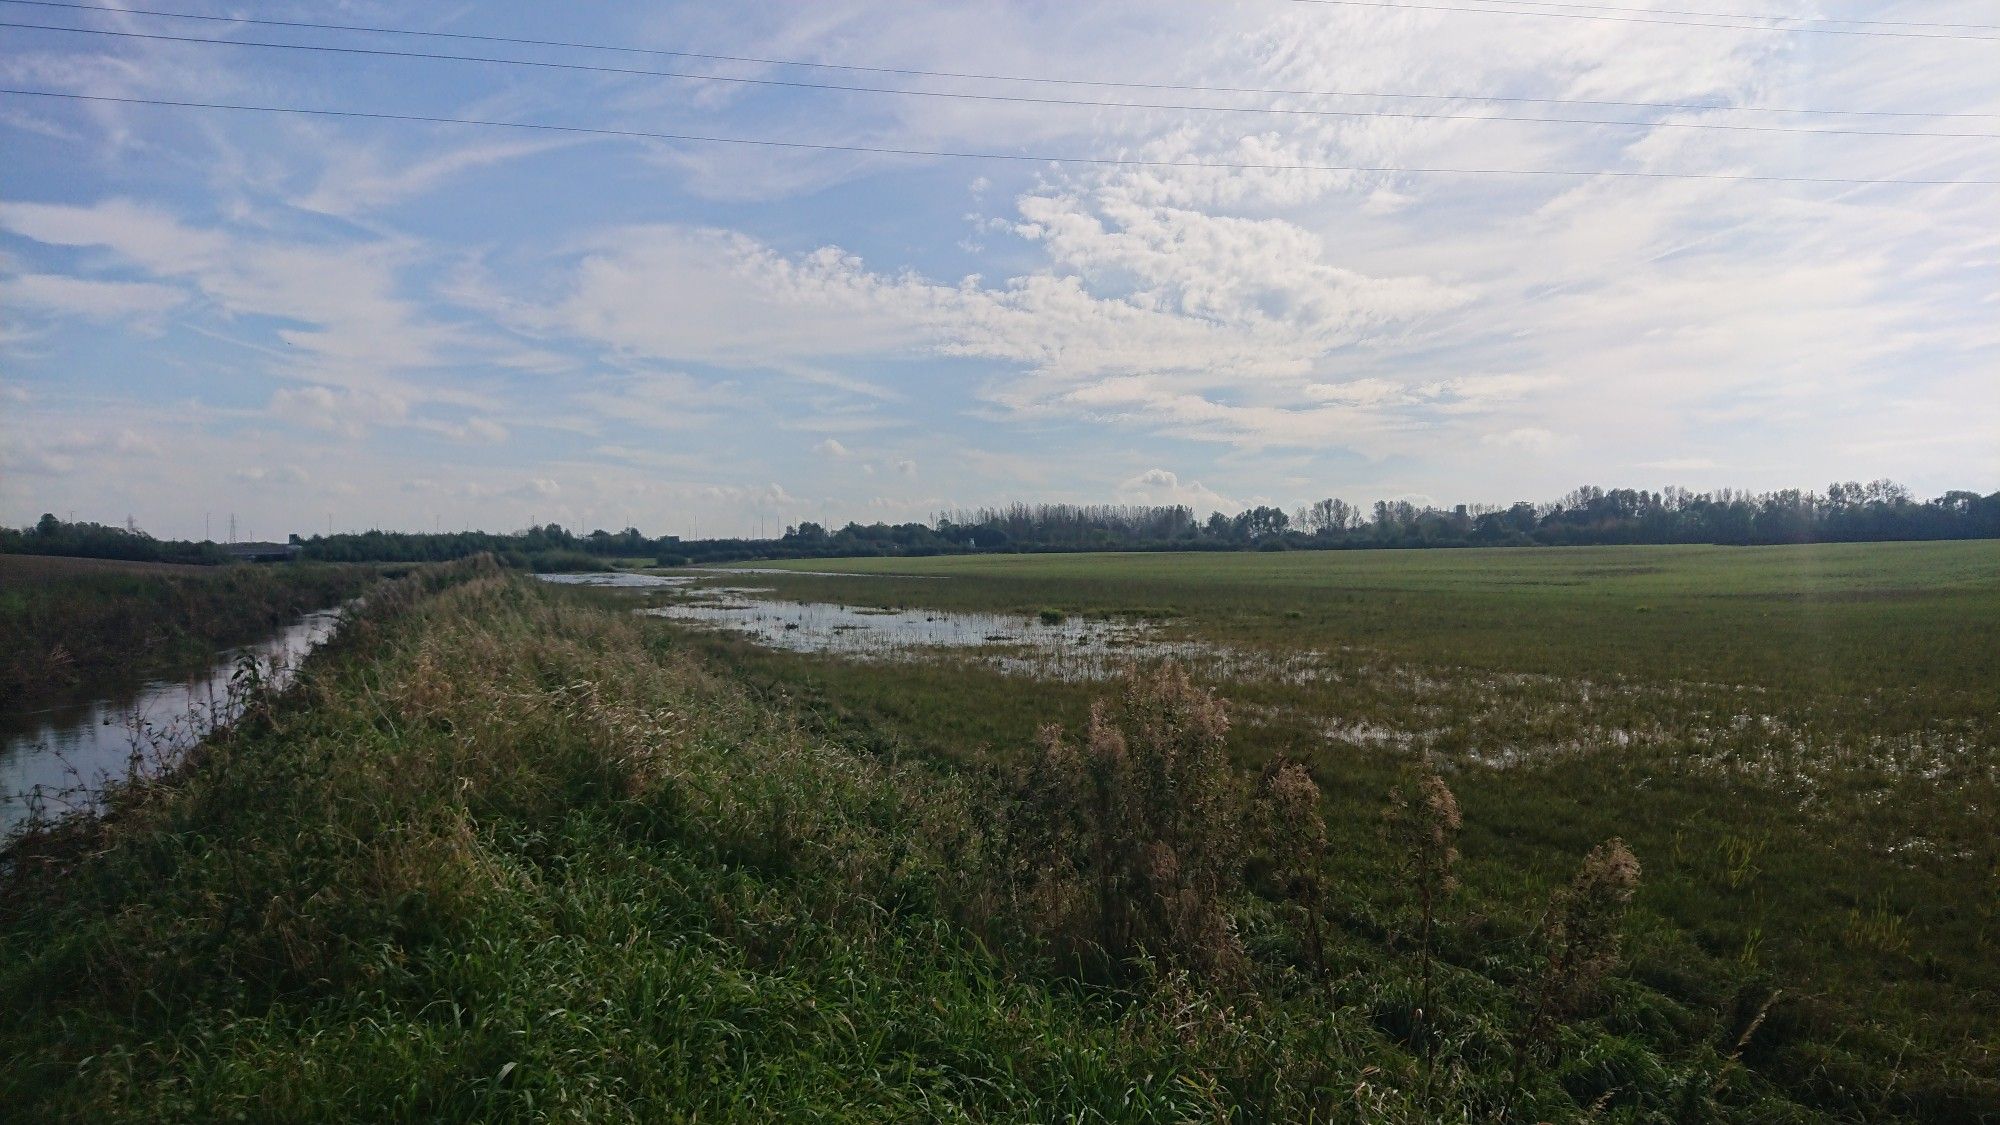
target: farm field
1801 744
511 851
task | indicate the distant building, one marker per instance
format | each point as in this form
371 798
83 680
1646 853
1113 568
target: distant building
260 552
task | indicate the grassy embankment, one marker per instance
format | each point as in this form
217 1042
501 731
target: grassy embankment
1802 745
509 854
75 627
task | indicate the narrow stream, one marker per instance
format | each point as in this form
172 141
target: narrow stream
60 758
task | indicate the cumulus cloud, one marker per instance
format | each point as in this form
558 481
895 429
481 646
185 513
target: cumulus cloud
832 448
704 296
1162 486
62 450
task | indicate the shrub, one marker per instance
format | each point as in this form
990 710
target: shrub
1580 933
1132 842
1422 824
1295 834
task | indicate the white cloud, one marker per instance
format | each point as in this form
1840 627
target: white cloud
91 299
831 448
358 180
338 305
267 475
1161 486
484 429
1526 439
1366 333
337 410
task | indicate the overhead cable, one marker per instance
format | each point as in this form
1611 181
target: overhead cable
909 72
1027 99
1035 158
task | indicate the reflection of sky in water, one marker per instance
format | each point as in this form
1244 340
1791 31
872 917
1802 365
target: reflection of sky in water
54 751
1073 649
622 580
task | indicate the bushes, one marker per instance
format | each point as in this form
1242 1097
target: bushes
564 562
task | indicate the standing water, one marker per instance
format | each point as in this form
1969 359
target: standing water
60 759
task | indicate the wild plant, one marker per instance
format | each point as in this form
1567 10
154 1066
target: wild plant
1580 934
1295 834
1879 929
1422 824
1133 840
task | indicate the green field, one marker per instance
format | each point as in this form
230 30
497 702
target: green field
511 853
1802 744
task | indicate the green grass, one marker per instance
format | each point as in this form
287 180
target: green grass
81 627
509 855
1808 764
1829 618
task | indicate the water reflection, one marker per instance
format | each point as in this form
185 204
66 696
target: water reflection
1071 649
618 579
59 757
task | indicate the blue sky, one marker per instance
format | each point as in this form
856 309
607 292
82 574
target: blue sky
310 321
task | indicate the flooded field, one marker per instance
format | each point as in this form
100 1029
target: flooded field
1343 698
1053 647
619 580
54 761
1068 649
1801 745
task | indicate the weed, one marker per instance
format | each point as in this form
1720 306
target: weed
1295 836
1580 932
1132 841
1879 929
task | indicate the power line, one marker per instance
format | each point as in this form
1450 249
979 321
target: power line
1750 15
885 150
908 72
1424 5
434 56
1584 11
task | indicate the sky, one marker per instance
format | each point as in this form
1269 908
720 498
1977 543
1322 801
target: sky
317 322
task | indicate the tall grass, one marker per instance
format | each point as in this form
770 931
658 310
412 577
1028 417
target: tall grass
77 627
504 854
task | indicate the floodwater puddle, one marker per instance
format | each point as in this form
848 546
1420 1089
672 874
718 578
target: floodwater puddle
620 580
783 573
59 760
1066 649
1074 648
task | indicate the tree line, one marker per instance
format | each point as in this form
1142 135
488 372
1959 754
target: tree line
84 540
1844 512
